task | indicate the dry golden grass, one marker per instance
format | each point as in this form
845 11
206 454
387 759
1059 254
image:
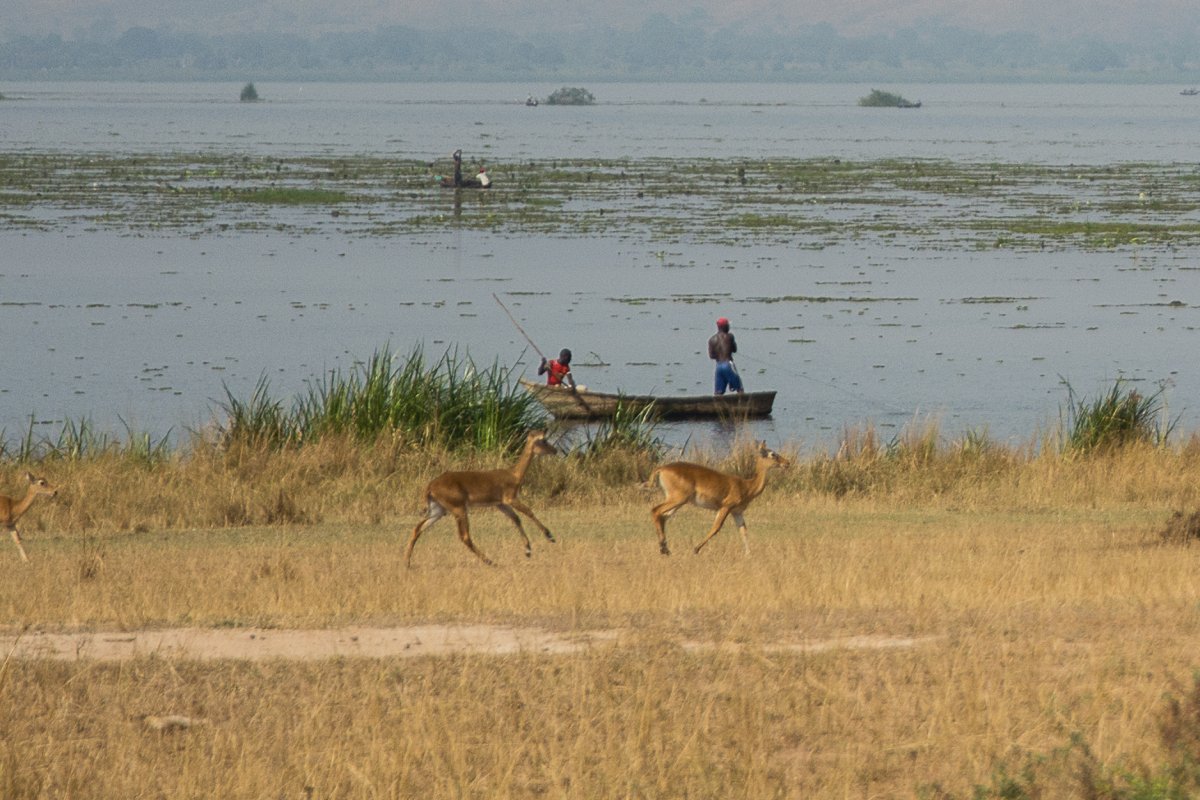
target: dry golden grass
1041 598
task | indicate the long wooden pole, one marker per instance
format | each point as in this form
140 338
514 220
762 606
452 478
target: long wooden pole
574 391
518 326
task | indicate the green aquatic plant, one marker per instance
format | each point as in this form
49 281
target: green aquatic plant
259 420
449 403
80 440
807 203
287 196
630 429
1117 417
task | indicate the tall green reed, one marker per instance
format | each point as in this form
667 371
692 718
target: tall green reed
449 402
629 429
1119 416
79 440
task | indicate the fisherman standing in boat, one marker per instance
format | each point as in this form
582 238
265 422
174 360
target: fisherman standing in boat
721 347
558 371
457 156
480 181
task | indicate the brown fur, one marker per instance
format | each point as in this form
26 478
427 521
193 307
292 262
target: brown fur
683 482
12 509
454 492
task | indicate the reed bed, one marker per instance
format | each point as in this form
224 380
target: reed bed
449 402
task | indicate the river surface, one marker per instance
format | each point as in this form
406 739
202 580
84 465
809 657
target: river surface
147 331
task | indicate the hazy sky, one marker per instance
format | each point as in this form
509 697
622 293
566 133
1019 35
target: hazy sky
1113 20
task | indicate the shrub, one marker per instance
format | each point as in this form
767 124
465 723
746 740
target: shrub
571 96
249 93
881 99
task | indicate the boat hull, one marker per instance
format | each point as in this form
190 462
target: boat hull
564 403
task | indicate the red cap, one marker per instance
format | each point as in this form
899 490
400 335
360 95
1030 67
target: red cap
722 321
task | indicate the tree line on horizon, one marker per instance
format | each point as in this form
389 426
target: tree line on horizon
661 49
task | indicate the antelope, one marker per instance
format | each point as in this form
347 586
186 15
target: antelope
454 492
683 482
11 510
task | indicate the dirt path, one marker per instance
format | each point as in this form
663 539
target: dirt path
256 644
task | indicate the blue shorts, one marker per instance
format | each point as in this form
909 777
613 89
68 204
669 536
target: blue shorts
726 378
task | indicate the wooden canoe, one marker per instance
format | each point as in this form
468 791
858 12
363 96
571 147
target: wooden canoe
564 403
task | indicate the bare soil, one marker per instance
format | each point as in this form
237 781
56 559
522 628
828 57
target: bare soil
256 644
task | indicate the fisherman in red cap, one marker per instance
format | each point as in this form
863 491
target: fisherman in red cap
721 347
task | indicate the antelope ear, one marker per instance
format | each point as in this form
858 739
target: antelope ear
29 477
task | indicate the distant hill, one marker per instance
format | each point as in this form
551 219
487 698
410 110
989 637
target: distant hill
745 40
1168 21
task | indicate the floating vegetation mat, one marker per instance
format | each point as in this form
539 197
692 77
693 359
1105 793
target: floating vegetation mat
810 203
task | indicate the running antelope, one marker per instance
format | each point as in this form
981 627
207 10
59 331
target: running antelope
684 483
11 510
454 492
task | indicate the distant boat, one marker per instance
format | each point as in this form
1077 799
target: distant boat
467 183
907 104
564 403
480 181
1190 92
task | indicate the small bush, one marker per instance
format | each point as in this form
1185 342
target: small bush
249 93
881 99
571 96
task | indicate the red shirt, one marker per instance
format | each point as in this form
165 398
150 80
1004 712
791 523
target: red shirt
555 372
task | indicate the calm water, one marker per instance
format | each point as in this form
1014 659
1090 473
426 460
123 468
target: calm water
148 329
1040 123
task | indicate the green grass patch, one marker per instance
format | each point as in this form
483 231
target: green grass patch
280 196
1117 417
805 203
448 403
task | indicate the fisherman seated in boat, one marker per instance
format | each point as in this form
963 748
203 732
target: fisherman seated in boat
558 371
721 347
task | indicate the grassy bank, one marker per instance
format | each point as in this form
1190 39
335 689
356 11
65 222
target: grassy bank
1032 625
919 617
339 480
